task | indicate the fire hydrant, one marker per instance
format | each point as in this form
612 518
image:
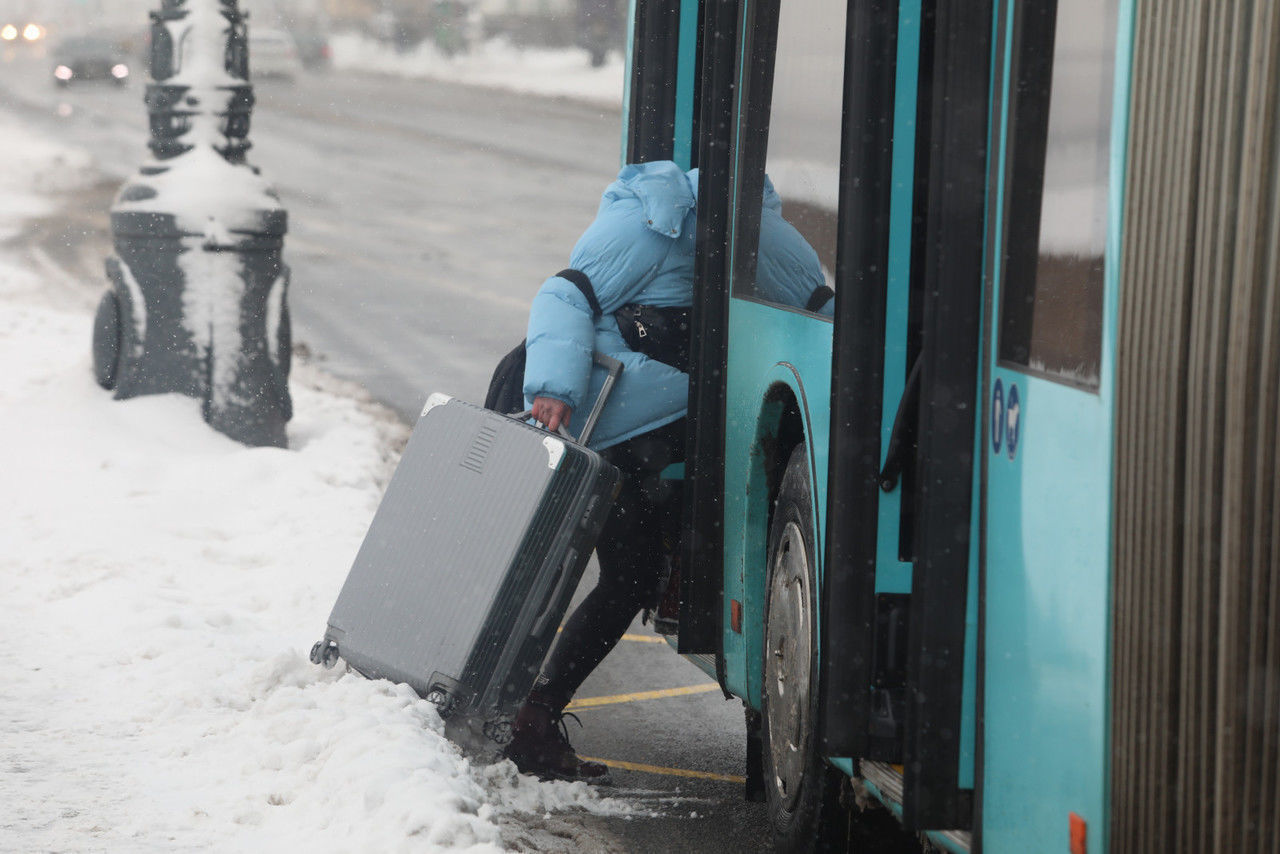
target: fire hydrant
198 290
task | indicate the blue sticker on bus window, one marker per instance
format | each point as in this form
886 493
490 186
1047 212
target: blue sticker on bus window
997 416
1013 420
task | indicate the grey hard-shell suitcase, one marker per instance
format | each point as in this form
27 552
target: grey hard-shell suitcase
471 560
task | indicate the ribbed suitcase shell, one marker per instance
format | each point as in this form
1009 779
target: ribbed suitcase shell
470 563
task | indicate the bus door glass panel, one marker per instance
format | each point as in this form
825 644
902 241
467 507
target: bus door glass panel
1051 307
797 237
1048 430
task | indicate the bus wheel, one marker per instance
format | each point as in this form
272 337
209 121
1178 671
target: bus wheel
801 791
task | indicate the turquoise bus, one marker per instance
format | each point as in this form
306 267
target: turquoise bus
995 548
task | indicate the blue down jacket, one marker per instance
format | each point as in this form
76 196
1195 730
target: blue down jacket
640 249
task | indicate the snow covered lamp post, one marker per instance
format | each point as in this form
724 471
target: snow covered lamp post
197 303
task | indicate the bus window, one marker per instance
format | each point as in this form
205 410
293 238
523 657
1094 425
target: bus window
1051 309
798 222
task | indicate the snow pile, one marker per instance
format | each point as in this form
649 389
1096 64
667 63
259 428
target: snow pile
162 587
496 63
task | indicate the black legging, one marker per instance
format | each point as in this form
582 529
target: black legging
633 549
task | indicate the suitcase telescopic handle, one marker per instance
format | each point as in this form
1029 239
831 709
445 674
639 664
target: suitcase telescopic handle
614 369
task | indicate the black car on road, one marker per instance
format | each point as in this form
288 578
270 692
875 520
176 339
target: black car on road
89 58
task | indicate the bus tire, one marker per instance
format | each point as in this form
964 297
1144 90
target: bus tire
801 790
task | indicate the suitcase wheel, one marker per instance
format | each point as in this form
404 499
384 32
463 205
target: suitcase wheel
324 652
499 730
444 703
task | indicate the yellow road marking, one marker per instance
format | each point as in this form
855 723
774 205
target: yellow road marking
671 772
644 638
593 702
630 637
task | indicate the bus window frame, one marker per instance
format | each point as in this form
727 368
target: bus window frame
751 147
782 307
1024 195
651 114
751 154
956 226
701 623
857 376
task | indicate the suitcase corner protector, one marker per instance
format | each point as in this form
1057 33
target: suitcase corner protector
555 451
436 399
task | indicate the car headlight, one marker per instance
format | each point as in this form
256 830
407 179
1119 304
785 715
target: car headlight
62 72
9 32
32 32
120 71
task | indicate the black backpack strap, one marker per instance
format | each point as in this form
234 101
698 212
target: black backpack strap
582 283
821 296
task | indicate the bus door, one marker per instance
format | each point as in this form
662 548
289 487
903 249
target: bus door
1046 445
781 232
899 671
825 120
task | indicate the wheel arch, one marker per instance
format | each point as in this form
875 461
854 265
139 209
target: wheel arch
782 423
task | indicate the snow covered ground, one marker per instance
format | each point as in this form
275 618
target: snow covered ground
162 585
563 72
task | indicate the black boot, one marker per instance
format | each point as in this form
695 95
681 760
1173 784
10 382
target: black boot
541 746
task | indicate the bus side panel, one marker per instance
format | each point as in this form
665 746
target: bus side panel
1046 622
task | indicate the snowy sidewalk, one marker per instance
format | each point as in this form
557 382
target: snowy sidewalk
162 585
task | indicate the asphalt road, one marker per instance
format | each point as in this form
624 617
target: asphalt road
423 217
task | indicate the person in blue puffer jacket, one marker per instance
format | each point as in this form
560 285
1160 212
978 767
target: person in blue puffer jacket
636 262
